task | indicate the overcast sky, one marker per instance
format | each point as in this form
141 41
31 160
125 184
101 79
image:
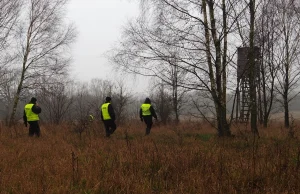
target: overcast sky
99 24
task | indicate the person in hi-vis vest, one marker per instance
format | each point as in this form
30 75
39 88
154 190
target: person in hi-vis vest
146 113
108 117
31 115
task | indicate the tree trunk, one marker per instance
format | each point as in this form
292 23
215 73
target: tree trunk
286 81
175 93
16 100
216 80
18 93
252 72
286 109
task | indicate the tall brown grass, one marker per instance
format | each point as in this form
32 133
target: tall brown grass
186 158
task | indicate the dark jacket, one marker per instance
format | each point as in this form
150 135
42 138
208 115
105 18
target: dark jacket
110 111
36 109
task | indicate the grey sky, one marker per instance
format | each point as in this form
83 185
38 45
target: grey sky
99 24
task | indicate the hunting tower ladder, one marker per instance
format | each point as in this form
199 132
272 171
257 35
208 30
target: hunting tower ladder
243 89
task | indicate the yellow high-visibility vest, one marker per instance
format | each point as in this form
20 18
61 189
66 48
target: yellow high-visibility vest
31 116
104 109
146 109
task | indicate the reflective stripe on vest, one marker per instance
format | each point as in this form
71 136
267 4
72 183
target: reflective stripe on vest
31 116
104 110
91 117
146 109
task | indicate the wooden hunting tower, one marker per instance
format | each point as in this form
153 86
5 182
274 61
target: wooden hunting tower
243 89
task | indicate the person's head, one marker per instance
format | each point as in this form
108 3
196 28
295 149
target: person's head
107 99
33 100
147 101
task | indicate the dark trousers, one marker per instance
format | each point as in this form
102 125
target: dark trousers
110 127
148 122
34 128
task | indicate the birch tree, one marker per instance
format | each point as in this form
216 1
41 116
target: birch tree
43 41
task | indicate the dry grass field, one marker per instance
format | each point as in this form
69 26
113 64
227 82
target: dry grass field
187 158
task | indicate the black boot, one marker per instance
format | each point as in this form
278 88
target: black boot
147 131
112 131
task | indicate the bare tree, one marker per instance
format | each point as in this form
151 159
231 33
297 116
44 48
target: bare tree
56 100
266 39
7 88
121 99
10 10
287 52
197 32
44 40
146 42
99 89
277 35
82 106
252 73
10 13
176 77
162 101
